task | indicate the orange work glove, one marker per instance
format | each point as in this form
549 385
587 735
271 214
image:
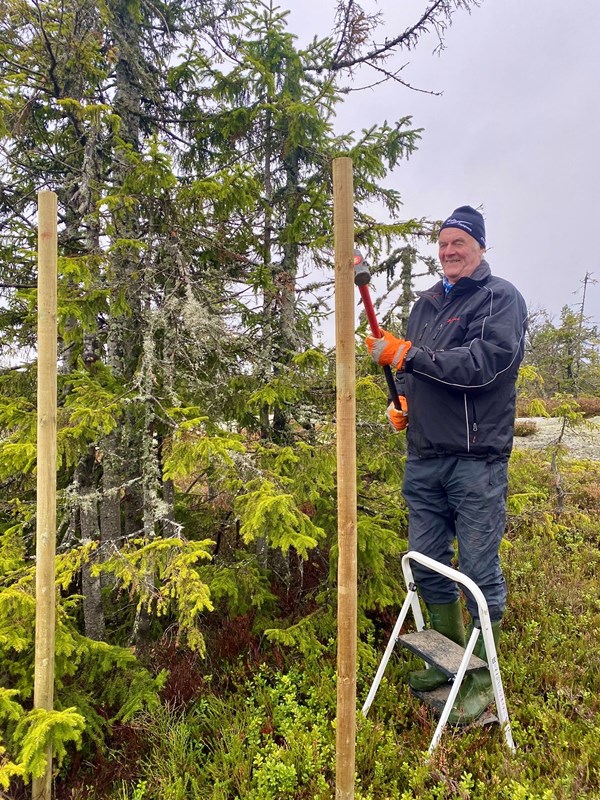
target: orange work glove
398 419
389 350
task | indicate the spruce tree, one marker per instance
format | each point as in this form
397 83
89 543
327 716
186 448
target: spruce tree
190 144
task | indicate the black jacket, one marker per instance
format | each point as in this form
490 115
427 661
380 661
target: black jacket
459 375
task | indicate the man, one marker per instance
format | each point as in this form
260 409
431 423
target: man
456 373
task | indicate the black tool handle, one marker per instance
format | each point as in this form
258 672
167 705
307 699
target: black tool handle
392 387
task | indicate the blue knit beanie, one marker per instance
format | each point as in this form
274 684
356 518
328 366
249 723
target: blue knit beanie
469 220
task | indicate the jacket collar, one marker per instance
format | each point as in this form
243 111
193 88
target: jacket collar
437 295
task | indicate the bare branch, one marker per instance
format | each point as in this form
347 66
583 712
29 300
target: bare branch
390 76
436 17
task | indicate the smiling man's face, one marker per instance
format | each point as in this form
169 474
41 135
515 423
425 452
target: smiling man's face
460 254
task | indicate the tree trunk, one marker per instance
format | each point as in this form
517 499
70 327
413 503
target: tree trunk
110 500
93 612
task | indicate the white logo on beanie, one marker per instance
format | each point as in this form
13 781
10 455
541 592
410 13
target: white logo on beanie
458 223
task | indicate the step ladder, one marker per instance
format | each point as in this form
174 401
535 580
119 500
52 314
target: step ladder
437 650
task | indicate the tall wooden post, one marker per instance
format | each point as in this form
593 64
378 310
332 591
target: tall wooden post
343 220
45 609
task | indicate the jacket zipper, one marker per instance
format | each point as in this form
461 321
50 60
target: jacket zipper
471 428
437 333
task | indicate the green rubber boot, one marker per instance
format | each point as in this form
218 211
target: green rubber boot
446 619
476 692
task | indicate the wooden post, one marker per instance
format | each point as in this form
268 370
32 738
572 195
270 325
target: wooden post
45 593
343 221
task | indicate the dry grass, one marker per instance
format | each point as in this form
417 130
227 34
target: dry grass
525 427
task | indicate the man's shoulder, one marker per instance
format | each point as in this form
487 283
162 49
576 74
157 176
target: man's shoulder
502 286
434 294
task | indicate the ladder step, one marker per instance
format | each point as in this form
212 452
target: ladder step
437 699
436 649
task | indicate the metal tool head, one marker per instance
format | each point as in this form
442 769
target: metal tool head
362 276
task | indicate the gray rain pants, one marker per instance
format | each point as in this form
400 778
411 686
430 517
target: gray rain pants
464 499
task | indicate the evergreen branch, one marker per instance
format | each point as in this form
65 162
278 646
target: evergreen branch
23 68
49 50
15 368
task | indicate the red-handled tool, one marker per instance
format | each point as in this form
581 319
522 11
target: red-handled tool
362 276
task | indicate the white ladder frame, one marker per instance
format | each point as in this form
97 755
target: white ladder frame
412 601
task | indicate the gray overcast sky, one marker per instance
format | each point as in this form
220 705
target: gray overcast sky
516 131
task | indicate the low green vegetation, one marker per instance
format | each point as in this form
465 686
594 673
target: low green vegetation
255 718
271 735
265 731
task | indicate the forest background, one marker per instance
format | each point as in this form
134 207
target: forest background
190 145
